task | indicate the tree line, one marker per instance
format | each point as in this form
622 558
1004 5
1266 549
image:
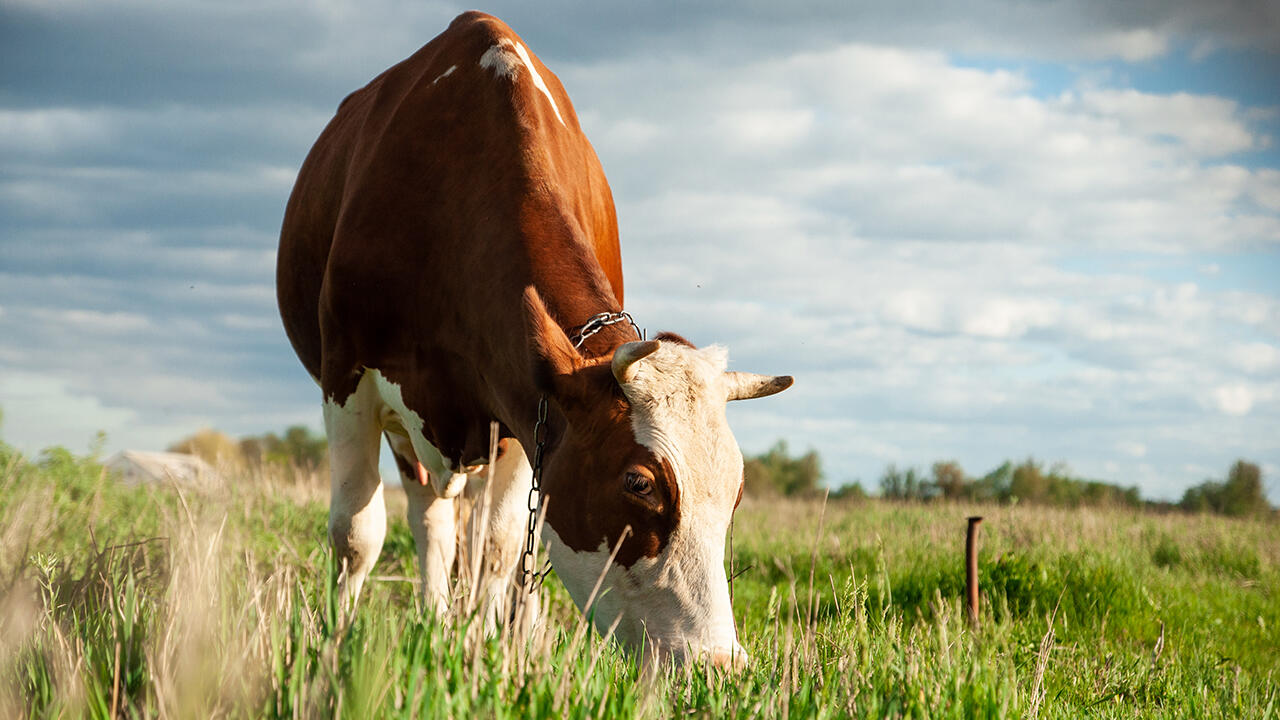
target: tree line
297 448
777 473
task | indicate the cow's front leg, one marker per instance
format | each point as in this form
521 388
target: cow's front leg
357 516
499 523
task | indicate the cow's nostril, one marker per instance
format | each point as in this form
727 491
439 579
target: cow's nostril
734 658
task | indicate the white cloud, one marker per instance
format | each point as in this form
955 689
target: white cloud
1206 125
1255 357
40 410
1132 448
1233 399
904 142
78 321
50 130
766 129
1130 45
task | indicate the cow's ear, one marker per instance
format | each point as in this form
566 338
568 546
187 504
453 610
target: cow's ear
554 357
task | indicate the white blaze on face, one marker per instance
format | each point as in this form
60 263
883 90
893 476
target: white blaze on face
679 600
505 60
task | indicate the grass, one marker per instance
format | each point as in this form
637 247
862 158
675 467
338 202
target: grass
153 602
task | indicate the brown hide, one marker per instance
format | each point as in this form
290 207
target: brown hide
426 209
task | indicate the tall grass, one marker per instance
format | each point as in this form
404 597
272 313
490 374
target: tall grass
163 602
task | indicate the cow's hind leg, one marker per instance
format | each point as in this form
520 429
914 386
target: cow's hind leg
357 516
432 519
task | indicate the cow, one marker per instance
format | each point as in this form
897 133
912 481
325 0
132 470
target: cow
449 235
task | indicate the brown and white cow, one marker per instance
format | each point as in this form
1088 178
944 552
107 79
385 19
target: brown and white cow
447 227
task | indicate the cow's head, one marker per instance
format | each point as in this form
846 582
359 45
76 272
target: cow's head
641 462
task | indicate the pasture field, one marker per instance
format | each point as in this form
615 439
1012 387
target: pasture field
150 602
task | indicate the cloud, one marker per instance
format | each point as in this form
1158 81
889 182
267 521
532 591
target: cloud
1256 358
38 407
1233 399
955 257
1129 45
1208 126
905 143
1131 448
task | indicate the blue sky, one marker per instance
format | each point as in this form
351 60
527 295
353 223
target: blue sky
977 231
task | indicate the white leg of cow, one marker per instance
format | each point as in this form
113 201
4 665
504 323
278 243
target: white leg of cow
504 535
432 520
357 516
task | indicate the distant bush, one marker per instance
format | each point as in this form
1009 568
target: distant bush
849 491
949 479
214 447
1240 495
298 448
906 484
777 473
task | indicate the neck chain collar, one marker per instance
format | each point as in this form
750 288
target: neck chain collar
531 578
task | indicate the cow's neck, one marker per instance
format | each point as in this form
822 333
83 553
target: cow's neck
570 309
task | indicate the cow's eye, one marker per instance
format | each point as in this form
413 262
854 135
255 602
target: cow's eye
638 484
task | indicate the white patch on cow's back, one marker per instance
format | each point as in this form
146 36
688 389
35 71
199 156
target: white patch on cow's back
444 74
537 80
501 60
505 63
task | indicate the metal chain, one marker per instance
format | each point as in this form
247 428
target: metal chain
531 579
600 321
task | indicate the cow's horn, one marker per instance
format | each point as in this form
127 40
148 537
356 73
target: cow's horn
745 386
626 356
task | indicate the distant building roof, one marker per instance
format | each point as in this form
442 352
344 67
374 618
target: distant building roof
140 466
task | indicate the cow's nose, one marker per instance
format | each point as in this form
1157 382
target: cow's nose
734 658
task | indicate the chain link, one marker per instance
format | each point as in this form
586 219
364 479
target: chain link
531 579
600 321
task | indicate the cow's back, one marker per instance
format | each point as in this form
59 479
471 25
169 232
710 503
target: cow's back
435 195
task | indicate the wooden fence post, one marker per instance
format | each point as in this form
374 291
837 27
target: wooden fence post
971 567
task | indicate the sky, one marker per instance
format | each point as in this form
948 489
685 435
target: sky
976 230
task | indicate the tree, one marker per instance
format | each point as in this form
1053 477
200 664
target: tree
215 448
995 484
892 486
849 491
1028 482
777 473
1241 494
298 448
906 484
949 479
304 449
